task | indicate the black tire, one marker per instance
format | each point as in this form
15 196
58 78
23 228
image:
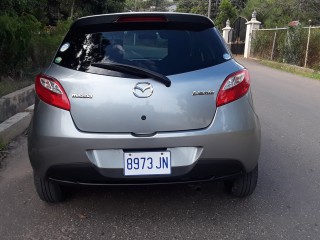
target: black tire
244 185
48 191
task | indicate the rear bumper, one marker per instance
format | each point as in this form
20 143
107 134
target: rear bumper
230 145
88 174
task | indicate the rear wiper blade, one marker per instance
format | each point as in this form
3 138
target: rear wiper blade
134 70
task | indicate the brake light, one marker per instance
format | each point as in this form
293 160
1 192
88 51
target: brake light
142 19
50 91
234 87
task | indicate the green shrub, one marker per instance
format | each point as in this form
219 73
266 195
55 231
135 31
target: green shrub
314 50
290 46
44 45
295 43
15 36
25 45
262 44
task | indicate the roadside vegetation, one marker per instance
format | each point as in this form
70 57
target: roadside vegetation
289 46
272 13
3 153
2 146
305 72
286 45
31 30
27 46
9 85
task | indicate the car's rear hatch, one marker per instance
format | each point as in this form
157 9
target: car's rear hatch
110 100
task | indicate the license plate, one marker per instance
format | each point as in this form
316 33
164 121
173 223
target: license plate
147 163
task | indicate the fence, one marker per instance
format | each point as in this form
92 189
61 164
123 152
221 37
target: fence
293 45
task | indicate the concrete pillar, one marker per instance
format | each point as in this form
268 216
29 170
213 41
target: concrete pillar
226 31
253 24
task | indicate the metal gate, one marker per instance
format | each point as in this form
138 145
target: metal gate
238 35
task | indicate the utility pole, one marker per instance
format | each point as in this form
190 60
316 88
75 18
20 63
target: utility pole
72 10
307 51
209 9
156 5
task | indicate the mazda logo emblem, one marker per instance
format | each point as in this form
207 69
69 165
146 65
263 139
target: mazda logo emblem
143 90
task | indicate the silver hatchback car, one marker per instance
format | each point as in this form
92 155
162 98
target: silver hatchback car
143 98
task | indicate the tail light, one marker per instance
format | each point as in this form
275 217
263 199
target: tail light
234 87
142 19
50 91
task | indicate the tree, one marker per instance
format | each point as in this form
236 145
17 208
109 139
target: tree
37 8
130 5
239 4
65 9
24 37
194 6
226 11
201 7
52 11
147 5
279 13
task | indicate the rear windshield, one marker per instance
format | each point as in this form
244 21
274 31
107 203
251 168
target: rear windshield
165 51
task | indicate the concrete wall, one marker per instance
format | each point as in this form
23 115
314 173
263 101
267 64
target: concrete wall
16 102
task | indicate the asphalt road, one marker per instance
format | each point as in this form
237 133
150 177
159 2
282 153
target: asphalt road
285 205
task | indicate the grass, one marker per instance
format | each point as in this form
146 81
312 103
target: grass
7 86
3 153
305 72
3 146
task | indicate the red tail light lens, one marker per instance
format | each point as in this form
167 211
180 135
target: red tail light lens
142 19
50 91
234 87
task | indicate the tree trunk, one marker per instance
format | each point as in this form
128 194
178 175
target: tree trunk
72 9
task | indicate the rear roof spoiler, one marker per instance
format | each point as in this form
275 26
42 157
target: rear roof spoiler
112 18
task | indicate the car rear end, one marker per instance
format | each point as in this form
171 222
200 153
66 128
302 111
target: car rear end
143 98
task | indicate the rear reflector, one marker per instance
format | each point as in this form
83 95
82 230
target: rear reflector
50 91
234 87
142 19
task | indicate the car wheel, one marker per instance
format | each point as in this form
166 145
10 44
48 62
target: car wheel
244 185
48 191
